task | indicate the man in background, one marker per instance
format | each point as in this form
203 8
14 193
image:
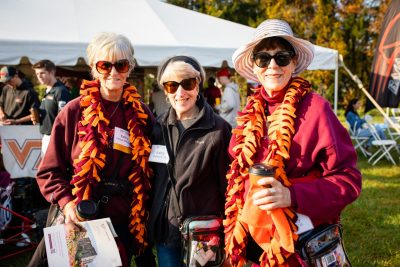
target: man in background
55 98
17 99
230 102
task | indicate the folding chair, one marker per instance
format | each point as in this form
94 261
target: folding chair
396 114
359 141
392 132
384 147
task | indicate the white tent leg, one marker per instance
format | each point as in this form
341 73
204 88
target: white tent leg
335 101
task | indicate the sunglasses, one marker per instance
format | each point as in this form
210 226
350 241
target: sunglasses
282 58
105 67
187 84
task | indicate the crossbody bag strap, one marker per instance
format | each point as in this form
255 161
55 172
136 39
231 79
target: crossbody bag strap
170 168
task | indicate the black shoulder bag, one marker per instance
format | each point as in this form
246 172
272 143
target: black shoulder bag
202 237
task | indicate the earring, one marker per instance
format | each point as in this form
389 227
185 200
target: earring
198 97
167 100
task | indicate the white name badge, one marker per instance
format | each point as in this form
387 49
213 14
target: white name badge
303 223
121 140
159 154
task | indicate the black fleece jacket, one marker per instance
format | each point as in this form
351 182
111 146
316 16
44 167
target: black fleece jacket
200 164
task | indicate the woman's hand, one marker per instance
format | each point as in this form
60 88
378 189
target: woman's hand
275 196
70 212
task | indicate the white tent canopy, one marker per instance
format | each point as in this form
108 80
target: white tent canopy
60 31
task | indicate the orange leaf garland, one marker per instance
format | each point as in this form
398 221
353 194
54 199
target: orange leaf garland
277 241
93 138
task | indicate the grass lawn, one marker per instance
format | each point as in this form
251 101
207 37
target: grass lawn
371 224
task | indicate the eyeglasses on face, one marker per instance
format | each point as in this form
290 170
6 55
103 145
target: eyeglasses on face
105 67
282 58
187 84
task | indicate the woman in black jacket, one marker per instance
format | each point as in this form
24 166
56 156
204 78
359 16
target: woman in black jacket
191 142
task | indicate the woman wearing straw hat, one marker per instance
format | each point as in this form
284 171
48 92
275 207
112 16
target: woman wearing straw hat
286 126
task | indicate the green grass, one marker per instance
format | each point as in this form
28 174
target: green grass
371 224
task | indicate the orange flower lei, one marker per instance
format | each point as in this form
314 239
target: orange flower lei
252 126
93 139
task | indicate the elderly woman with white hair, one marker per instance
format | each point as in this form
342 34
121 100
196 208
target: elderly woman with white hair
288 127
99 148
192 140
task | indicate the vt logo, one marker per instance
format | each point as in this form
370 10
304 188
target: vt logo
22 153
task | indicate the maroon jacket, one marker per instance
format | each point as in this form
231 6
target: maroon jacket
322 144
55 171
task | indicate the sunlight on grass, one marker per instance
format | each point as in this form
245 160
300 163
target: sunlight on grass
372 223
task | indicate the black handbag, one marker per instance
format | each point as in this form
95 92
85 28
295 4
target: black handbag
323 247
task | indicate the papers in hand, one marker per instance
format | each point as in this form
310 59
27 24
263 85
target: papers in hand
89 243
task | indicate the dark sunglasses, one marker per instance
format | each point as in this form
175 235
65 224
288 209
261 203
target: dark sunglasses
282 58
187 84
105 67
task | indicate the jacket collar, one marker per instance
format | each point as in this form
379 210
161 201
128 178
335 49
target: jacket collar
205 119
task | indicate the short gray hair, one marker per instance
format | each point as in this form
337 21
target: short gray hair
110 45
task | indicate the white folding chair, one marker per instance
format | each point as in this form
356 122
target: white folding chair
392 132
396 114
359 141
384 147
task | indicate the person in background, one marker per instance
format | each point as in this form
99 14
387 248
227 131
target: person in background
359 125
99 149
212 93
159 101
197 140
55 98
294 130
1 88
230 102
17 99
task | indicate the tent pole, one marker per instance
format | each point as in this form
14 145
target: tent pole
335 102
361 86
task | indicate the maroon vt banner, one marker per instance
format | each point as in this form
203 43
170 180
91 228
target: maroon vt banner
385 73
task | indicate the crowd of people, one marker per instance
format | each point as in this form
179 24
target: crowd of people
98 147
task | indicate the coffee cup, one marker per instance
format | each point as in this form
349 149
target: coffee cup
258 171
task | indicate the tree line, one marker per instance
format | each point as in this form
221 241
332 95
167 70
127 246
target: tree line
350 26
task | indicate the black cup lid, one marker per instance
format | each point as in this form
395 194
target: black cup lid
87 209
261 169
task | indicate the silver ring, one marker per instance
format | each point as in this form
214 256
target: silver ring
272 190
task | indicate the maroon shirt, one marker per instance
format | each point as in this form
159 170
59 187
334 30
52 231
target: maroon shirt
211 93
55 171
320 143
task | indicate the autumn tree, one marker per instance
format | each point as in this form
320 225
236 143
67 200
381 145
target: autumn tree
349 26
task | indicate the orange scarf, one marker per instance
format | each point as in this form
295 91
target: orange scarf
92 141
277 237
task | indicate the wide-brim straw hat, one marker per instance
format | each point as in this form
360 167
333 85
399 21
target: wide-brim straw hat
243 57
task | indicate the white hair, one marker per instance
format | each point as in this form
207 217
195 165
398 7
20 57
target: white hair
110 45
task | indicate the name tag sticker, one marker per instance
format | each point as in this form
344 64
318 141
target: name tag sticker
159 154
121 140
303 223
